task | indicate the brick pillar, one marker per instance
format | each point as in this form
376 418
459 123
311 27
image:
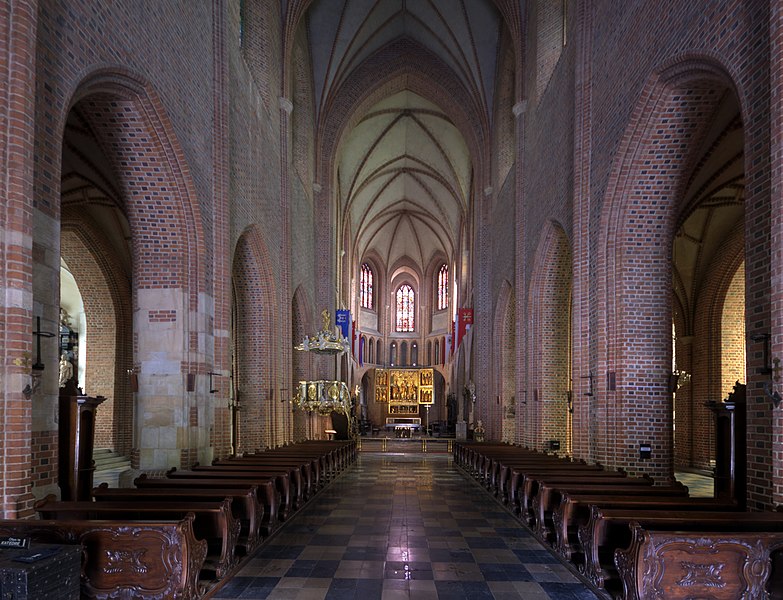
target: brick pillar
220 419
523 402
17 109
582 421
282 375
776 233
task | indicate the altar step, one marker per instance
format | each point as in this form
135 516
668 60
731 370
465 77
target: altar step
414 445
109 466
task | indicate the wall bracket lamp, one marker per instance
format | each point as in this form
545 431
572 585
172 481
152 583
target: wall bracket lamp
39 366
211 374
763 337
589 378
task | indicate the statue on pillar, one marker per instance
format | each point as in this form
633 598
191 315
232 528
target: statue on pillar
66 370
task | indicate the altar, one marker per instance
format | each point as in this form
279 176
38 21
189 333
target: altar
408 394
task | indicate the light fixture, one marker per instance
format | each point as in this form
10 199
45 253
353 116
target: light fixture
39 366
325 341
212 374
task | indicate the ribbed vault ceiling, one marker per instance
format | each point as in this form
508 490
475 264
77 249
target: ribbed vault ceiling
404 169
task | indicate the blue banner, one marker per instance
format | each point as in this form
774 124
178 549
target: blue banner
342 319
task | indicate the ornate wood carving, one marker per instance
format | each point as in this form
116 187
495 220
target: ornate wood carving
155 561
679 566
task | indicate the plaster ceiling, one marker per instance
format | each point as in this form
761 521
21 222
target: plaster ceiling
404 169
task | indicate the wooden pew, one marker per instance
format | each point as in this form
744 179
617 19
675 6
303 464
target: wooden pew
214 521
515 474
298 480
269 496
299 473
491 468
549 490
340 453
311 467
280 478
680 565
501 475
573 510
126 559
245 505
332 458
609 529
531 481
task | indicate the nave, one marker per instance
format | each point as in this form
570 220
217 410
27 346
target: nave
404 526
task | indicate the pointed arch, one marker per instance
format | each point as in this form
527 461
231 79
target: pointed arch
638 221
106 292
254 318
504 376
157 195
550 327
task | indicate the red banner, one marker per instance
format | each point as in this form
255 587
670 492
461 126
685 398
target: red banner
464 323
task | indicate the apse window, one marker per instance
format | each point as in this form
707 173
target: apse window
443 287
365 286
406 304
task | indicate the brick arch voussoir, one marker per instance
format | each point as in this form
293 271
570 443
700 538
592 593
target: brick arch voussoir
163 164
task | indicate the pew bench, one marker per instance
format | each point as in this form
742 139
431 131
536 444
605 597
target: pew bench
493 468
549 491
530 482
682 565
280 478
299 481
268 496
126 559
573 510
245 505
311 467
513 477
214 522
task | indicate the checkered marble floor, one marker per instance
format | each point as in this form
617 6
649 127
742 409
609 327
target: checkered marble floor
401 526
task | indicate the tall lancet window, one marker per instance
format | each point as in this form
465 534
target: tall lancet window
365 286
443 287
406 305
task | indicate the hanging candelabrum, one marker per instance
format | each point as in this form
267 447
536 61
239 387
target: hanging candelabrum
325 341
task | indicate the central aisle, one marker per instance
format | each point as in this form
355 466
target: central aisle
404 526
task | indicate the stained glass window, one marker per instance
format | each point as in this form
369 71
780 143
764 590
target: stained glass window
365 286
443 287
406 304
